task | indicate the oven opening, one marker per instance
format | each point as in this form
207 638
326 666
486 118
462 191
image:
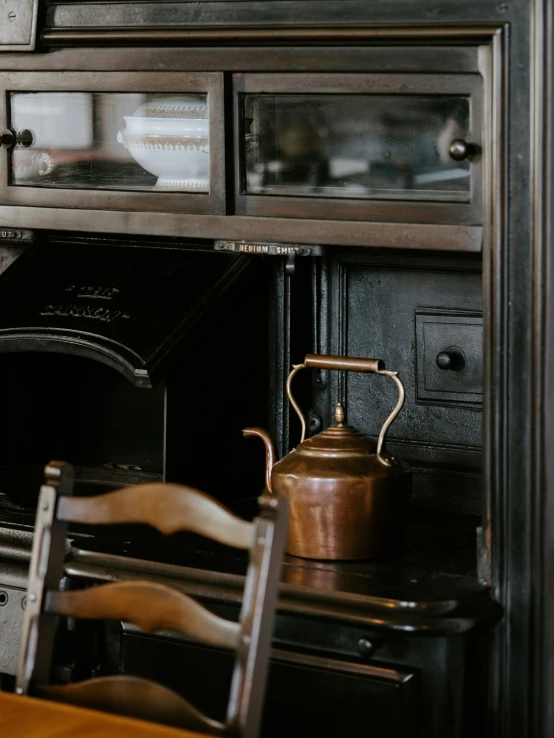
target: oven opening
185 427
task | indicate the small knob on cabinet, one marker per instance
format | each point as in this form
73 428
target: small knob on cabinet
25 137
452 359
460 150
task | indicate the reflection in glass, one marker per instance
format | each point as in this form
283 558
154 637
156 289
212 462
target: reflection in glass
89 140
356 146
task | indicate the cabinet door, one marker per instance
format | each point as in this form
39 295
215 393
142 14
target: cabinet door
134 141
360 146
306 696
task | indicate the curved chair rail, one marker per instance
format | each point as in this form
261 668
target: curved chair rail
134 697
151 606
167 507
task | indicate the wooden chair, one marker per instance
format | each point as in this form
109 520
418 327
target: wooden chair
150 605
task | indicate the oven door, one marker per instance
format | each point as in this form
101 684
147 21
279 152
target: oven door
147 141
380 147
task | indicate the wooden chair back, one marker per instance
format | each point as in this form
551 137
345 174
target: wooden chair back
150 605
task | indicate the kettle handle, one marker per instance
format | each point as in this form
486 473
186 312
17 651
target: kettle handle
347 364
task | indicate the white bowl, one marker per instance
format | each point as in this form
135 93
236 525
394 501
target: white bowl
170 138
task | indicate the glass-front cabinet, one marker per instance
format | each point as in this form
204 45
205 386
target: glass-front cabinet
136 141
359 146
387 147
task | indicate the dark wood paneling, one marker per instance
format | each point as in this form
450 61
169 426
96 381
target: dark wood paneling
425 237
543 356
408 13
359 58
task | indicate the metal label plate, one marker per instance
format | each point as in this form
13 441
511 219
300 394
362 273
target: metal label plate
18 23
267 249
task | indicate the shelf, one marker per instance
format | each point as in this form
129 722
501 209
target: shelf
429 587
436 565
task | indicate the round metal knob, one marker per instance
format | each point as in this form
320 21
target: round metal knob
452 359
460 150
368 646
25 137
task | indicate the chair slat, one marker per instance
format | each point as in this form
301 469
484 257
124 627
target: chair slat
167 507
150 605
134 697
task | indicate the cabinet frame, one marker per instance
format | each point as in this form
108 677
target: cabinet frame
390 84
209 83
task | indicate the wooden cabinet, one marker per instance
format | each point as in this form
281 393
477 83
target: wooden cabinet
277 145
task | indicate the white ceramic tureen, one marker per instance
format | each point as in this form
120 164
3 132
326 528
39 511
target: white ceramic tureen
170 138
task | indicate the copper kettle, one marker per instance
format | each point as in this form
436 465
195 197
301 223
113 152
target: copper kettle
346 496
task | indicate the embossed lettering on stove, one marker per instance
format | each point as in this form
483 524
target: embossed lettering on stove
106 315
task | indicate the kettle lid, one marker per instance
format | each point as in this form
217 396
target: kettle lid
338 440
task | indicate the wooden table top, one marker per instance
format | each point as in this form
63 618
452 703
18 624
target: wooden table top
29 717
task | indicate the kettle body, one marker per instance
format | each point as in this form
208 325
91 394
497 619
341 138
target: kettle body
347 499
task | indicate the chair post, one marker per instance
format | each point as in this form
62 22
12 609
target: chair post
257 618
45 572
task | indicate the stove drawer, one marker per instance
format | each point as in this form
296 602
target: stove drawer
306 695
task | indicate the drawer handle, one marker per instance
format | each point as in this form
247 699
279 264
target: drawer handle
460 150
368 646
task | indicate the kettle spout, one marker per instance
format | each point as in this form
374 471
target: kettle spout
269 451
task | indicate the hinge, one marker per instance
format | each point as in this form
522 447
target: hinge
484 565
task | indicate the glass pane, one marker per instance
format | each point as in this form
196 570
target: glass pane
356 146
92 140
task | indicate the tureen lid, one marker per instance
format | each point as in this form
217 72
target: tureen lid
182 106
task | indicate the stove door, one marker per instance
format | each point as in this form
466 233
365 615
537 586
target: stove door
126 306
